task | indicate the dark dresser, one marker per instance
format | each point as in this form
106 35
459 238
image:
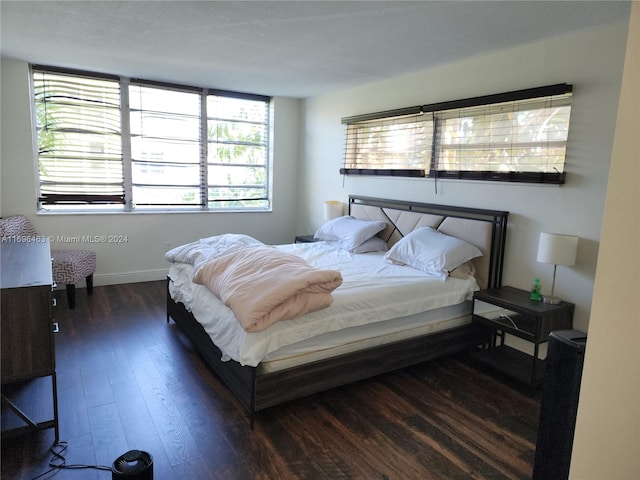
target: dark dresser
26 315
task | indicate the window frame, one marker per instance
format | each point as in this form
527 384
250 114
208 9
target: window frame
442 109
127 204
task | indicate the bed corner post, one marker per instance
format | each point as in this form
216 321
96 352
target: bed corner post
252 406
168 299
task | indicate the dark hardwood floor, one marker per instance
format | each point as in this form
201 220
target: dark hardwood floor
128 380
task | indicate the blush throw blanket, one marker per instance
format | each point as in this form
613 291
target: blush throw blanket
263 285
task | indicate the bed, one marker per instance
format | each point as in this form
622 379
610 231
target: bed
286 366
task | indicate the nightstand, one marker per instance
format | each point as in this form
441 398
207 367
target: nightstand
305 239
510 311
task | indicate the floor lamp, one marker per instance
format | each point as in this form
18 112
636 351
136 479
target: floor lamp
558 250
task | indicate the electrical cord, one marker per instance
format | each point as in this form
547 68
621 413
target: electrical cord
59 462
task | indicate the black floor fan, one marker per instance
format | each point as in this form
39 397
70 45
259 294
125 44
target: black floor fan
133 465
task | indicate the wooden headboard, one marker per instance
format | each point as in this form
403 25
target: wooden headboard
486 229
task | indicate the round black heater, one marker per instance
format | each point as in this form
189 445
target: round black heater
133 465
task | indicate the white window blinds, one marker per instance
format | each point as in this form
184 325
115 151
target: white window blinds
522 136
518 136
382 146
79 139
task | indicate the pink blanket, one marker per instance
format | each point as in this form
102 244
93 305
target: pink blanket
262 285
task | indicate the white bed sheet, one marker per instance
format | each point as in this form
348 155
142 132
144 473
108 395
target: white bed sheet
372 291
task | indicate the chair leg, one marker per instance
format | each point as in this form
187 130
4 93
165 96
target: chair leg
71 295
89 280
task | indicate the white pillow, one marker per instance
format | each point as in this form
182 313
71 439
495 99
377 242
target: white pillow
374 244
432 252
350 231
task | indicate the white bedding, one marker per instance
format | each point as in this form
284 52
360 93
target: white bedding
372 291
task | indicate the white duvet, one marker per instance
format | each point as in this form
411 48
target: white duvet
372 291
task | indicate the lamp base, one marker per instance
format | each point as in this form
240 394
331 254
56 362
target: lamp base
551 300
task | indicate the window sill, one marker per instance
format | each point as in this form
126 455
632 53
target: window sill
149 212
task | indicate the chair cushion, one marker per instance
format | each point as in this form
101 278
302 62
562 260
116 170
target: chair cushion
70 266
17 226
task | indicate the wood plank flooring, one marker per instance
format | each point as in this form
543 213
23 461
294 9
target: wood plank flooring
128 380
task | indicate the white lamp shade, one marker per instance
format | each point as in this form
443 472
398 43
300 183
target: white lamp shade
557 249
332 209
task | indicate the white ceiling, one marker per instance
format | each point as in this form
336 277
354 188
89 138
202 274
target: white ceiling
285 48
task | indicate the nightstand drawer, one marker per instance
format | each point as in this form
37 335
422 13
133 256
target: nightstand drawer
510 321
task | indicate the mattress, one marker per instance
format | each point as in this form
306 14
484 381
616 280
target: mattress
353 339
373 292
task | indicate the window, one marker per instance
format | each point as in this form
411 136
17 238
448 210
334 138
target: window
237 159
399 145
165 146
517 136
109 143
79 139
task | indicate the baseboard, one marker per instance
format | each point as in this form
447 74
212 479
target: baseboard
125 277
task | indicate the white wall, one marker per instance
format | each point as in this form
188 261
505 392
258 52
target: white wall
607 440
591 60
149 235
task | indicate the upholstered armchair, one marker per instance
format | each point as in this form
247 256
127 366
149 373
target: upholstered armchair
69 266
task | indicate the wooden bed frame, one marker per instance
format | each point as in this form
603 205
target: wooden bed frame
257 390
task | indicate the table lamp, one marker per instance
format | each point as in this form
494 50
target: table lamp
558 250
332 209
